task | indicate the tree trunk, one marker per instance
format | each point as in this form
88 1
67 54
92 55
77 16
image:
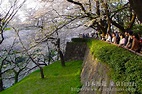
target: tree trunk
108 18
62 58
1 35
132 21
1 82
100 27
16 77
137 7
98 8
41 72
60 53
37 64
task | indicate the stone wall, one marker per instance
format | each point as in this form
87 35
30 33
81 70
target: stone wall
94 77
75 51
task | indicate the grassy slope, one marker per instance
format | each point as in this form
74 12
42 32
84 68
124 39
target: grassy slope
58 80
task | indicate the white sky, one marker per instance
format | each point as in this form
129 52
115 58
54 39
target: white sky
29 4
34 4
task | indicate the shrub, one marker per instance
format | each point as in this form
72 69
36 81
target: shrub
125 66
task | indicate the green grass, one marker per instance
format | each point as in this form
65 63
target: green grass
58 80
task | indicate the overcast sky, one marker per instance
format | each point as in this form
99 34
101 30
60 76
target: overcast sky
34 4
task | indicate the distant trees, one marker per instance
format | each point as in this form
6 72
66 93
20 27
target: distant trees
17 63
14 65
50 22
6 15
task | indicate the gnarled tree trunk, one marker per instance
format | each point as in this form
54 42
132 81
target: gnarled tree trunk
137 7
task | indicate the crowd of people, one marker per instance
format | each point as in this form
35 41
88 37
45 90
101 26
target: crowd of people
128 40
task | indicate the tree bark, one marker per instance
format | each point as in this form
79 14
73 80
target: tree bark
137 7
16 77
1 35
1 82
77 3
60 53
98 8
118 26
38 65
62 58
132 21
108 18
41 72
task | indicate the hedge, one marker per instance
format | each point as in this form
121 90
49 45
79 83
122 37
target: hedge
125 66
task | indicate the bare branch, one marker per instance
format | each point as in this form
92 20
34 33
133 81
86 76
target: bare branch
118 10
90 6
79 4
8 17
29 55
13 12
